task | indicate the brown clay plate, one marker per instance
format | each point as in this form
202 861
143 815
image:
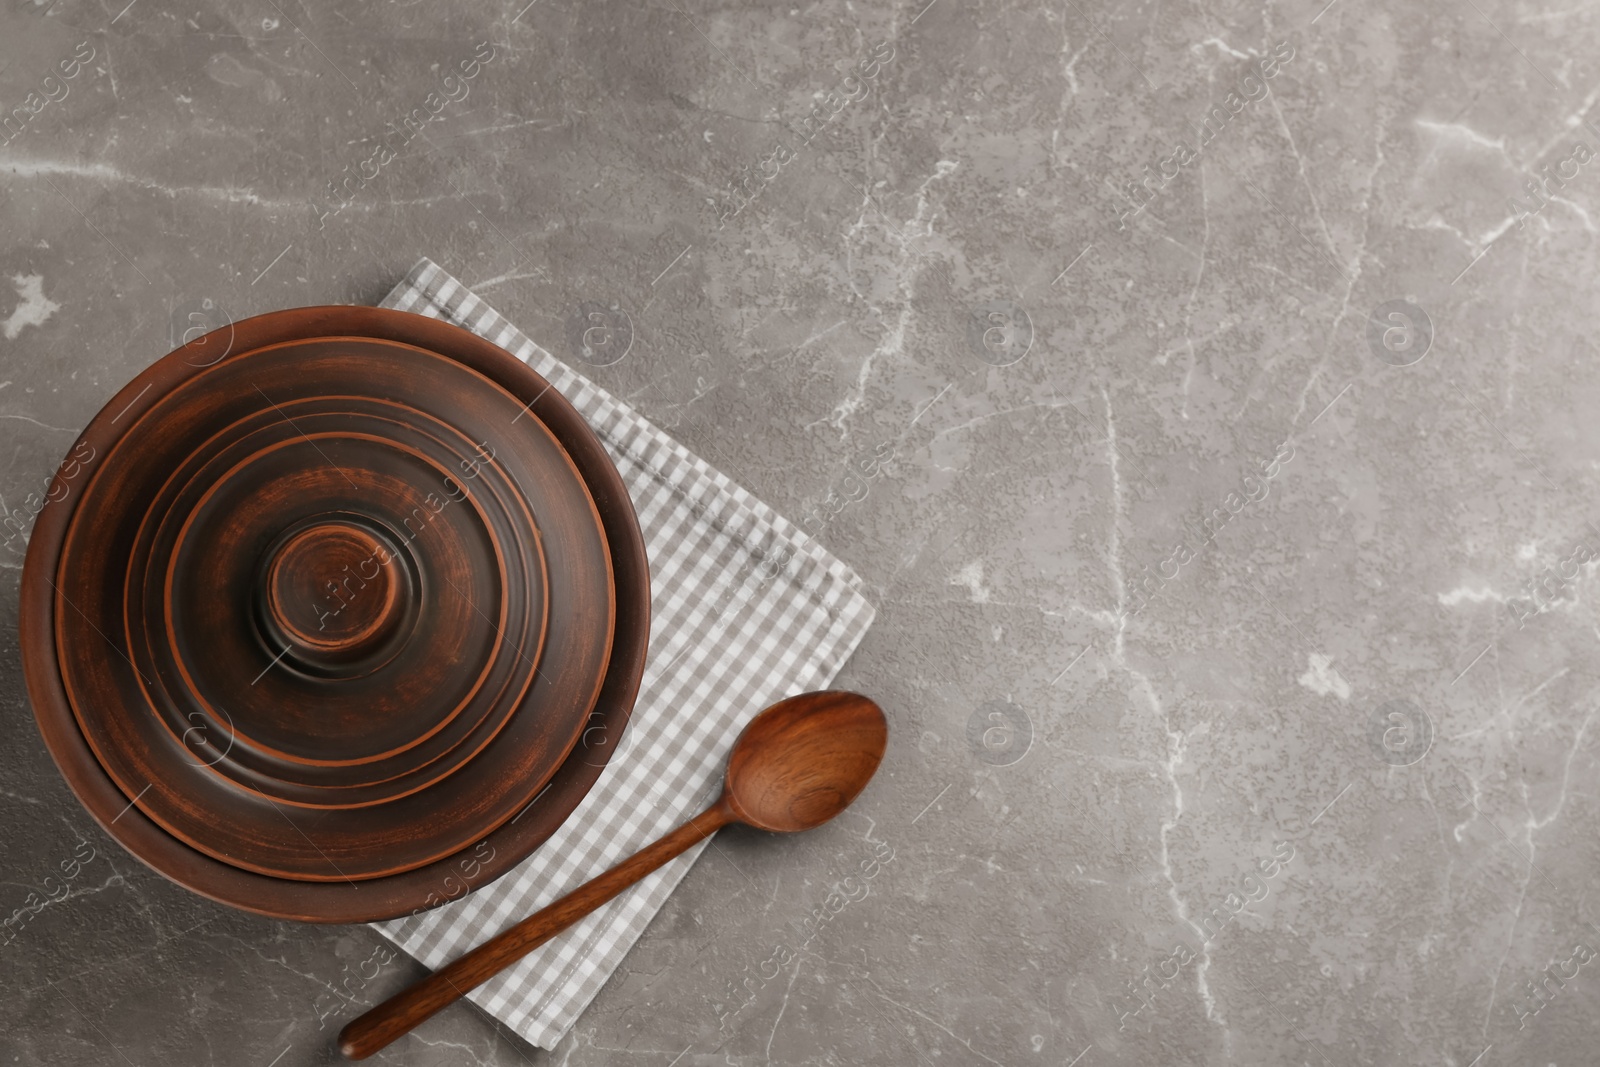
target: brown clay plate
363 633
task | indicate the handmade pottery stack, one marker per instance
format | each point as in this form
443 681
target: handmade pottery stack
336 611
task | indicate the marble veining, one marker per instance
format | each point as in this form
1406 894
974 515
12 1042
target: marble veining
1202 392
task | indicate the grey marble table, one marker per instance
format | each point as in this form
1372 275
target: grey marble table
1224 370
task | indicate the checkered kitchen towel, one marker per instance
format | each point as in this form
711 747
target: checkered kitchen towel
711 667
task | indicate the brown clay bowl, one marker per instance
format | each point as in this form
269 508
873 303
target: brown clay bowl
346 618
219 532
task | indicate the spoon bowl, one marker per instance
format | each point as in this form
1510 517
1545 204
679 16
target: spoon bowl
804 760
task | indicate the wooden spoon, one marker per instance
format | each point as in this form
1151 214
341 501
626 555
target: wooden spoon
797 765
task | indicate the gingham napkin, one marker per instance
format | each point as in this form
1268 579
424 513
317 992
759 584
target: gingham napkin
715 660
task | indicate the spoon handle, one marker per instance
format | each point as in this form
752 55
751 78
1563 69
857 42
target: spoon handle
397 1015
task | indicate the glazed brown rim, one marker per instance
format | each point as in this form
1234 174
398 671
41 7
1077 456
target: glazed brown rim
378 898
